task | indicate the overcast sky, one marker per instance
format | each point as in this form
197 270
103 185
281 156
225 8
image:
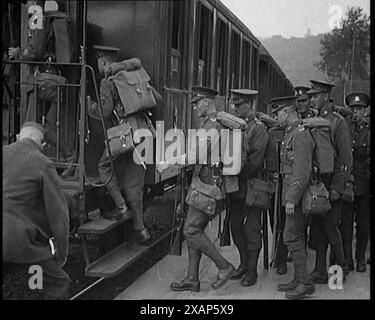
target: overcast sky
291 18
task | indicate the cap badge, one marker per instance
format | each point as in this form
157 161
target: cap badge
356 98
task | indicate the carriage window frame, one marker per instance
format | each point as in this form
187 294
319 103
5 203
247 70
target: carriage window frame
176 43
246 64
222 37
203 52
235 58
254 67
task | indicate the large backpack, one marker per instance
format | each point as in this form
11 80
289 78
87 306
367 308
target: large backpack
232 122
134 90
324 152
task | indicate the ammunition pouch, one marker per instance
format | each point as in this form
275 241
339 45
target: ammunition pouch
348 193
48 84
120 139
203 196
259 193
315 200
231 184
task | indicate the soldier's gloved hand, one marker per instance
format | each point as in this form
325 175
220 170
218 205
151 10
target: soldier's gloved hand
60 257
289 208
13 52
162 166
334 195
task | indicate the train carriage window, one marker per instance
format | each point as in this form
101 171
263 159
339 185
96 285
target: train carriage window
235 60
254 75
202 75
222 40
246 65
177 43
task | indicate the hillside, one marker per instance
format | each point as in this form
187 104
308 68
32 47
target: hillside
296 57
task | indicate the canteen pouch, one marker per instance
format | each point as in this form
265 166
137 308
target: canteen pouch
134 90
231 184
48 84
120 139
258 193
203 196
315 200
348 193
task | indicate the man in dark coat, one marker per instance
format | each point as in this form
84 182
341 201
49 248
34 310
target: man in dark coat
247 236
35 211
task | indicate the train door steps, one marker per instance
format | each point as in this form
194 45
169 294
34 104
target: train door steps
99 226
116 260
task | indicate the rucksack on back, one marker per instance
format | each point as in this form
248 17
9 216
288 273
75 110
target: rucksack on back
134 90
324 152
232 122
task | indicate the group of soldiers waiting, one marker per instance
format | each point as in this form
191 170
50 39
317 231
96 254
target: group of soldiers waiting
285 152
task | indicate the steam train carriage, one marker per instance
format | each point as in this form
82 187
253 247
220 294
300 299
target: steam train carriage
180 44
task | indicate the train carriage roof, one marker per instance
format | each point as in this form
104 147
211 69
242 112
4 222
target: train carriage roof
234 20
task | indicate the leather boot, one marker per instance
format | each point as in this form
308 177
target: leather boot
350 265
282 270
284 287
301 291
361 266
251 276
239 272
318 277
186 284
222 277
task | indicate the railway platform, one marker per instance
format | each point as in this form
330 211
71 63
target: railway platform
154 284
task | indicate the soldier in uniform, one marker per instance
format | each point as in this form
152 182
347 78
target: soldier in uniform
34 211
247 236
272 156
325 229
197 220
358 102
296 166
126 185
304 102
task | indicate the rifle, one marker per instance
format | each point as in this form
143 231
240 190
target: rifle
276 211
225 234
10 80
176 247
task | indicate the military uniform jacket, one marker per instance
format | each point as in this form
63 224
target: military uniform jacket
343 154
208 172
296 162
34 207
110 100
254 148
361 158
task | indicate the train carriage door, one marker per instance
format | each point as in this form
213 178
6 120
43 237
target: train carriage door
222 35
235 60
254 68
246 67
177 45
204 45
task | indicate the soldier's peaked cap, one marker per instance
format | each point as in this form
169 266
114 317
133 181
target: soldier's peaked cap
300 90
105 51
242 95
282 102
320 87
357 99
202 92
